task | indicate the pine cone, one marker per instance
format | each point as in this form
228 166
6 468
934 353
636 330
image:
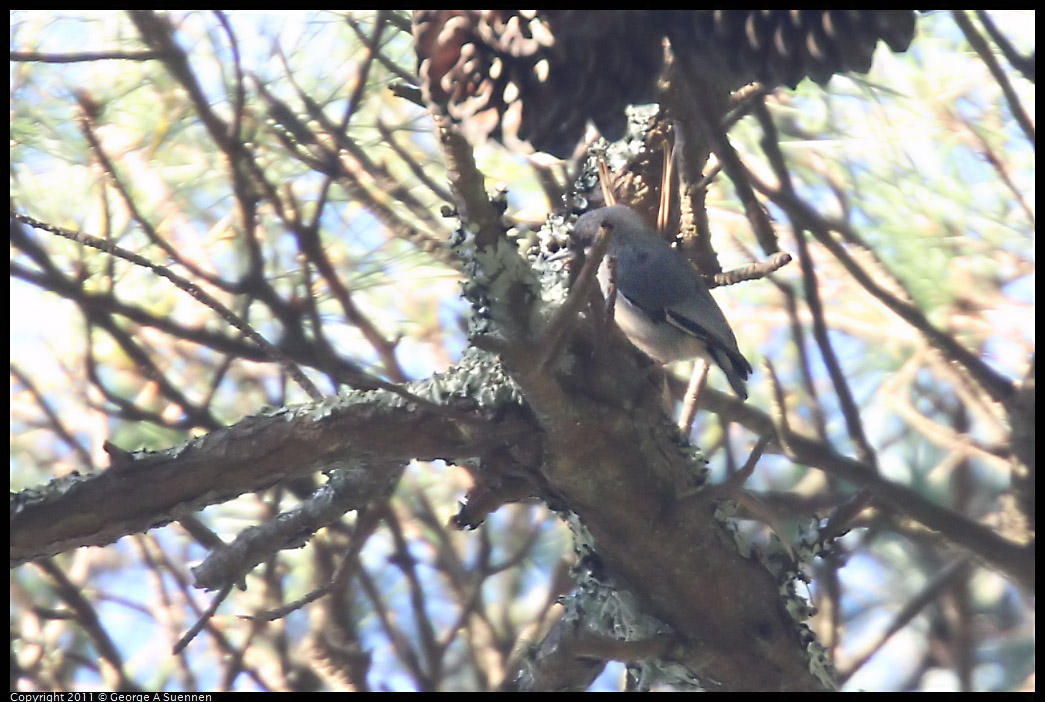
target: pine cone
539 76
781 47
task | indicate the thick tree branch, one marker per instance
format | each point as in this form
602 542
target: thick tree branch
144 490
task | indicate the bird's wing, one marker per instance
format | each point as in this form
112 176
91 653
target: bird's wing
710 326
669 290
651 286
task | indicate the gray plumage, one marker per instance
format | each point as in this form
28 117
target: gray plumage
662 306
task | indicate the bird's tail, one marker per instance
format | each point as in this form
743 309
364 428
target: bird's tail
736 369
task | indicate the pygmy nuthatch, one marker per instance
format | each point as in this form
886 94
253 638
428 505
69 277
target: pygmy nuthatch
662 305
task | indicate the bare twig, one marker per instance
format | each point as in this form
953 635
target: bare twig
697 380
187 286
1013 559
46 57
979 45
201 622
555 334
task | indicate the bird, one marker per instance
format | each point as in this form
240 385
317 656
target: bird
662 305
